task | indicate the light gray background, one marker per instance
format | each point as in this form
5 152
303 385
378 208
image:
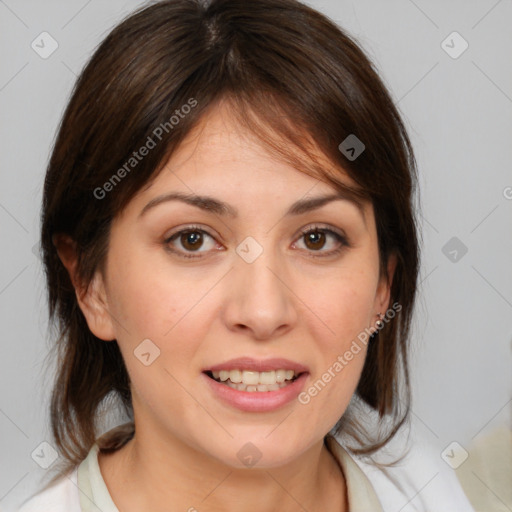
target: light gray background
459 115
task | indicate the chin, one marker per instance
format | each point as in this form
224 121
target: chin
262 451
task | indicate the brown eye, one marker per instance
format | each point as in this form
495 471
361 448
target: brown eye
191 240
314 240
322 241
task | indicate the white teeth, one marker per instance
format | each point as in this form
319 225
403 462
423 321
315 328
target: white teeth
268 377
235 376
248 380
249 377
280 375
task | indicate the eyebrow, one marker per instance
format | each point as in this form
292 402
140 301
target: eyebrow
210 204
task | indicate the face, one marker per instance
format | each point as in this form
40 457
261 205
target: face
191 287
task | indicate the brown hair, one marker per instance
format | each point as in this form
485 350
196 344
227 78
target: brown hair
294 79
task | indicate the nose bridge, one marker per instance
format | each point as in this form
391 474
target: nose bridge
261 278
258 298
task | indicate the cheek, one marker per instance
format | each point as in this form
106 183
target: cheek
344 308
148 297
340 355
151 300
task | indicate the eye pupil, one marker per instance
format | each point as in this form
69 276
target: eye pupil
317 238
192 240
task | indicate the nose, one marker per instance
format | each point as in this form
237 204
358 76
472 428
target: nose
260 300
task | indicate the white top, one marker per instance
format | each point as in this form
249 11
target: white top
422 482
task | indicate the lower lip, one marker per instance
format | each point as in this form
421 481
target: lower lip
257 401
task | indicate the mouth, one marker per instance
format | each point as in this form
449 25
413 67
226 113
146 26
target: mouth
254 381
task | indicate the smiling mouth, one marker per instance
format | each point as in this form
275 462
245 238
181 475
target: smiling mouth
252 381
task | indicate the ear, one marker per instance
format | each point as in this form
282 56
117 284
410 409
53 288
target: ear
383 294
92 299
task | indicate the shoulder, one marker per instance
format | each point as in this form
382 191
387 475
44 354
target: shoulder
62 496
421 482
489 466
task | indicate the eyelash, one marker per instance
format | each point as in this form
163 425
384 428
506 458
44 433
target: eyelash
341 239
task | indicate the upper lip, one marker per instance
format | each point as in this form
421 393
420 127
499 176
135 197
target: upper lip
258 365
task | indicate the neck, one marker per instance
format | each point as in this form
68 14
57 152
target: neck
150 473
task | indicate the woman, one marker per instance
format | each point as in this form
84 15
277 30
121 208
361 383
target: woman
231 254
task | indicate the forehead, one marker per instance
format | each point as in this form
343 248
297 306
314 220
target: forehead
223 167
220 148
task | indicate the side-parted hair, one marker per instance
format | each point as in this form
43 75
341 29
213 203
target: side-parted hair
297 82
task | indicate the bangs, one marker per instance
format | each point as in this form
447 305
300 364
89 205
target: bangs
281 130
